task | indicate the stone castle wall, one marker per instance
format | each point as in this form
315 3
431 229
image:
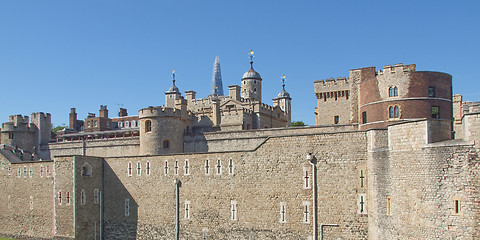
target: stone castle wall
250 140
99 147
26 207
413 184
258 181
376 184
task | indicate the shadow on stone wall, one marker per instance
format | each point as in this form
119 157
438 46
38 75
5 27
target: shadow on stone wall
117 225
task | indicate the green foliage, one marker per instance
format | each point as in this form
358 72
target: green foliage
55 129
298 124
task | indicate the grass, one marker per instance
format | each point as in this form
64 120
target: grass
1 238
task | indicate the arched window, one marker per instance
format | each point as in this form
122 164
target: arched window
393 112
148 126
395 91
166 144
390 92
86 170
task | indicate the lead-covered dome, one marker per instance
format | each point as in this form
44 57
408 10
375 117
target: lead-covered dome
283 94
173 89
251 74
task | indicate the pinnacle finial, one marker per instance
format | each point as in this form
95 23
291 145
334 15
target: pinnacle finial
173 76
251 55
284 78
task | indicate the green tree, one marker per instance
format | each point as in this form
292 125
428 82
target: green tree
298 124
58 128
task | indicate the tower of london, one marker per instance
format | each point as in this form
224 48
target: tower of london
393 155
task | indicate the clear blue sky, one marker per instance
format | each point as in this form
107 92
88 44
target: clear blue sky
55 55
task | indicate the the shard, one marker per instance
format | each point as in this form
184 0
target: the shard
217 86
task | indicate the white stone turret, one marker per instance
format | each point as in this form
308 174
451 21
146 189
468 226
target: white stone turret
252 84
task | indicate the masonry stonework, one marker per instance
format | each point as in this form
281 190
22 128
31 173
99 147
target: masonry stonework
233 169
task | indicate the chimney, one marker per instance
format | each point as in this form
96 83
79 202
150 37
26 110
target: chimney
122 112
234 92
103 111
73 119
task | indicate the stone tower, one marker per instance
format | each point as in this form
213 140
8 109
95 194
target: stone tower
162 129
252 83
172 94
217 86
284 101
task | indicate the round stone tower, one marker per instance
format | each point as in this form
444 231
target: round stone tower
284 101
162 130
252 83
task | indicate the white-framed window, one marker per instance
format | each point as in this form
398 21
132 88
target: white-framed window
30 172
19 174
127 124
218 167
176 168
389 205
47 171
31 202
283 212
231 167
362 203
186 168
205 234
306 178
139 169
362 176
41 171
207 167
87 170
59 197
83 197
129 169
147 167
3 165
233 210
166 168
68 198
457 205
127 207
187 209
306 212
9 169
24 171
96 195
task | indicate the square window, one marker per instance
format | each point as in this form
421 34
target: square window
435 112
364 117
431 91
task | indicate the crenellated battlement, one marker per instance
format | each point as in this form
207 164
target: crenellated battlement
236 112
41 115
396 69
17 123
331 84
161 111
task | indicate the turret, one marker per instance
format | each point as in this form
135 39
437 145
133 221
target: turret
252 83
162 129
172 94
284 101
